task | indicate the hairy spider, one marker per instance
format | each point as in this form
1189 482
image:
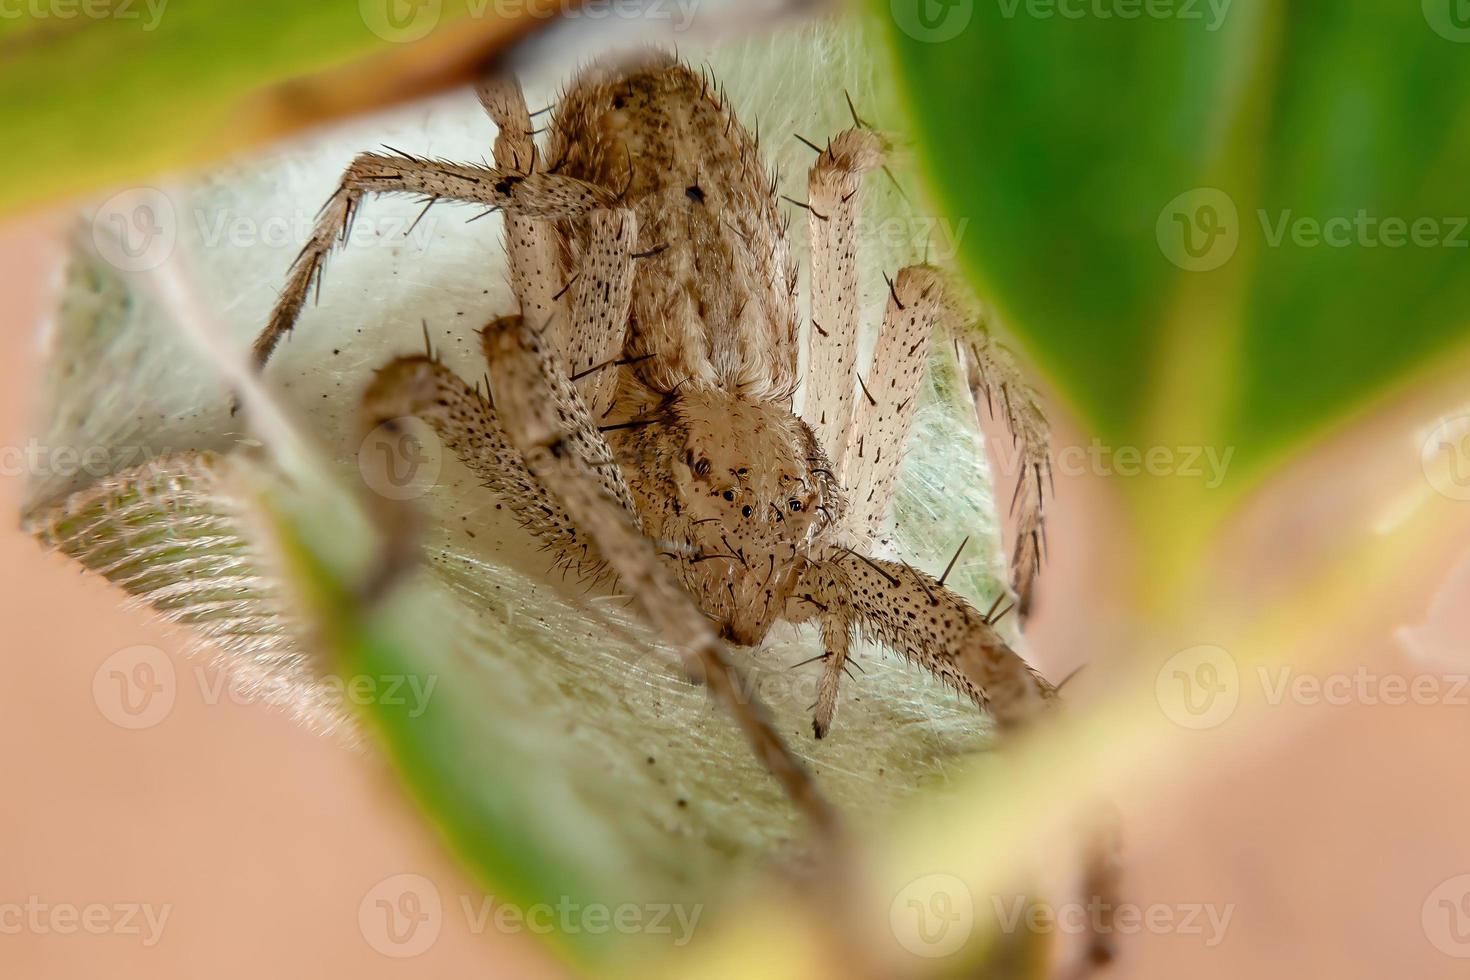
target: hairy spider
643 416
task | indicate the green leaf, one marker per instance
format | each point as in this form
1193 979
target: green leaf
145 86
1077 147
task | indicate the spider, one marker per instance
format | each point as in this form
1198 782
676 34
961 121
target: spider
643 415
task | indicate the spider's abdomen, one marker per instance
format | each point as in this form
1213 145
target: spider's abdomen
717 305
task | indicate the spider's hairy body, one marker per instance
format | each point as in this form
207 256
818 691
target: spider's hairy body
641 413
737 492
723 476
717 307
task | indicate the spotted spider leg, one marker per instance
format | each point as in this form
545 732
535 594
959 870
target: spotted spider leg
469 427
872 446
996 383
549 424
865 441
527 195
834 201
913 614
591 334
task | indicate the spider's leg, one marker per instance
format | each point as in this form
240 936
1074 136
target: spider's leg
547 421
887 401
422 388
836 642
534 195
834 200
911 614
530 243
589 320
998 388
600 300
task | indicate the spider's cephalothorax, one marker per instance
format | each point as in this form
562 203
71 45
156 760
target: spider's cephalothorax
735 491
641 412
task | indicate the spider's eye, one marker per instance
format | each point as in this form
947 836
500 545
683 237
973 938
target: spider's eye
729 495
745 511
796 505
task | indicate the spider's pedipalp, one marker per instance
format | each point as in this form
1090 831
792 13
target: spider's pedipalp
836 631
